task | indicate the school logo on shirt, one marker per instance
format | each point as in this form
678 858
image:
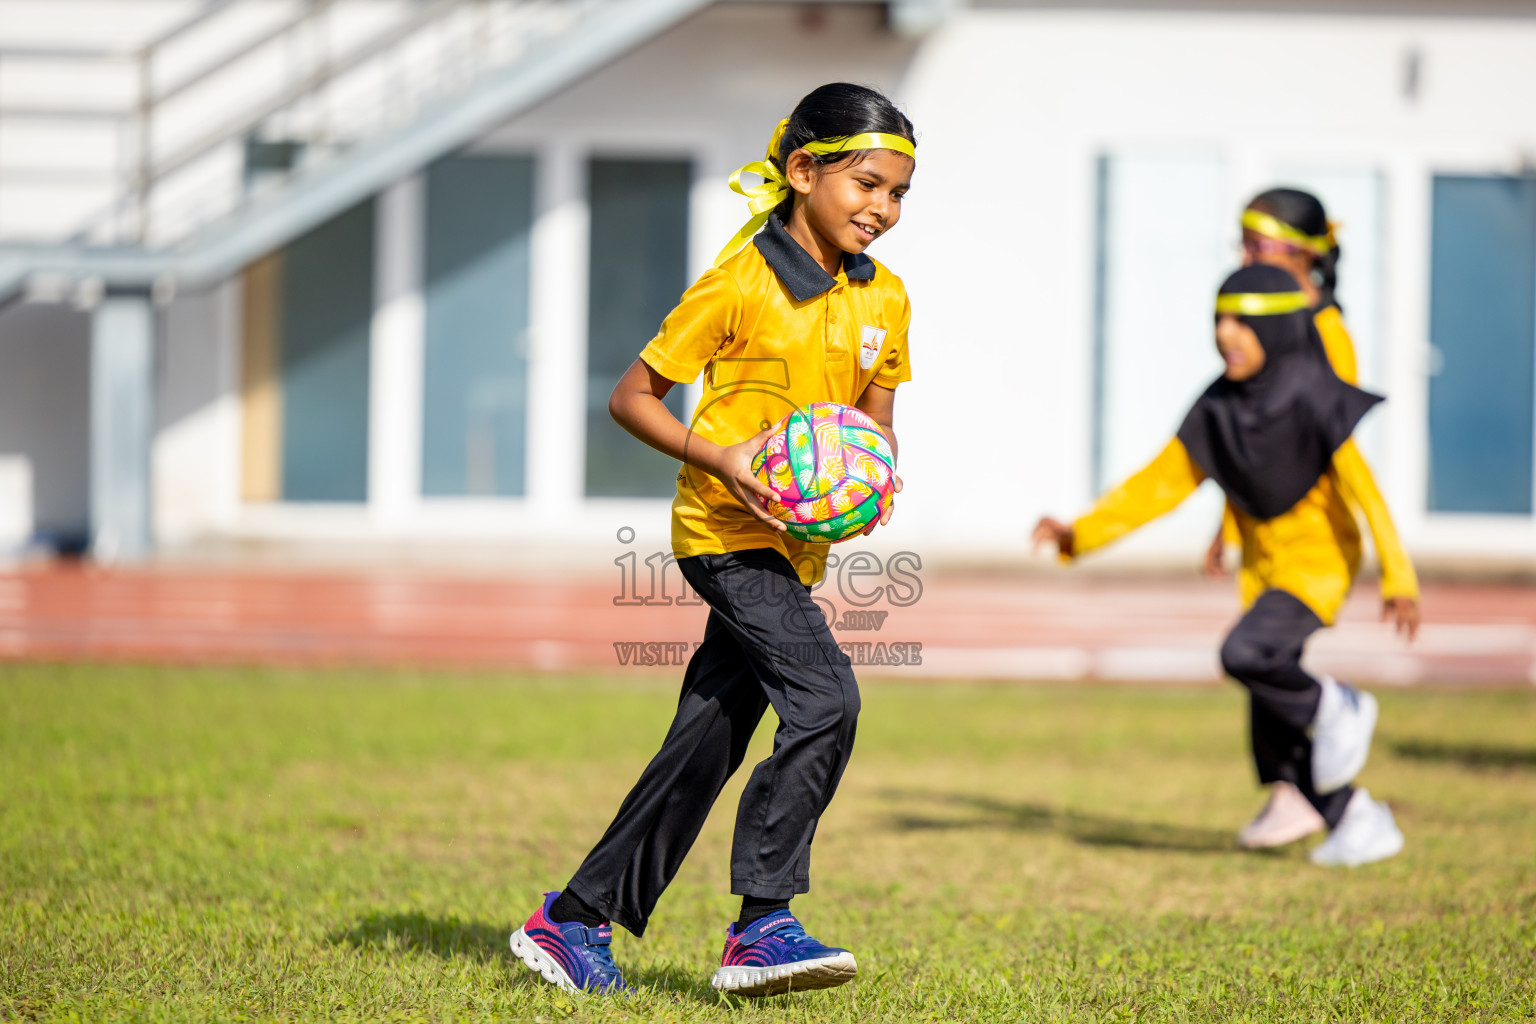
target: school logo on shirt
869 347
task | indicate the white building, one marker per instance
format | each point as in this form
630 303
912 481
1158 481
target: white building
391 255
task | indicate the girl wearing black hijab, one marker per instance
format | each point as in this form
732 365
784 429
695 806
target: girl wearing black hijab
1274 433
1290 229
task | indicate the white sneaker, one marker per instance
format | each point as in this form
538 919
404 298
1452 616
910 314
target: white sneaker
1341 735
1286 818
1366 833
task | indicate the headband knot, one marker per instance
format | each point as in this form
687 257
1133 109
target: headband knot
777 138
763 199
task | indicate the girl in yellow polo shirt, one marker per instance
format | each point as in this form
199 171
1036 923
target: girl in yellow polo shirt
792 313
1274 433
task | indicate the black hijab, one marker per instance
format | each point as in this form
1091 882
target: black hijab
1266 440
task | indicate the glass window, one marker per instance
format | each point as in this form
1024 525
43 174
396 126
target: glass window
1165 242
479 213
1166 237
639 269
326 309
1482 326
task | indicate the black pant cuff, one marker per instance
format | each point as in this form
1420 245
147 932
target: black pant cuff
630 922
758 889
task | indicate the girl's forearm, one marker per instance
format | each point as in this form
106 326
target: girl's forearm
1398 578
645 416
636 405
879 404
890 437
1154 490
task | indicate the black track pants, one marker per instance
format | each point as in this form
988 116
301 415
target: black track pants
766 643
1263 652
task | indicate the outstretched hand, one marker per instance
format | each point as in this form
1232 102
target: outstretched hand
1054 531
732 466
1404 613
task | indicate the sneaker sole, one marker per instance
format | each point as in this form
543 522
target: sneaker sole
1390 847
828 972
540 962
1270 840
1350 770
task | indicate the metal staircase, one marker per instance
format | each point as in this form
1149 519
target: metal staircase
248 122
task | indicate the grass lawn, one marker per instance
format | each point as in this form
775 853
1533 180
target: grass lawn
236 844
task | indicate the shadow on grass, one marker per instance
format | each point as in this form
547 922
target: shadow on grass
981 812
449 937
687 982
441 937
1468 755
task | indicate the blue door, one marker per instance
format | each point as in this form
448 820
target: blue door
1482 326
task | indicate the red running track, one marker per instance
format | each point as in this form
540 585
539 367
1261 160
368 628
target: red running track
984 627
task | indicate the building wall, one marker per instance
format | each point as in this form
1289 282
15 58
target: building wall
758 60
1018 109
196 458
1258 95
1034 121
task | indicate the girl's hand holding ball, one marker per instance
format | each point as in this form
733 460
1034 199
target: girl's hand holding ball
732 466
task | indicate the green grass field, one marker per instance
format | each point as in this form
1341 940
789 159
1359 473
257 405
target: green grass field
221 844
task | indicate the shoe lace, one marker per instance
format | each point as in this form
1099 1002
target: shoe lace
793 934
601 957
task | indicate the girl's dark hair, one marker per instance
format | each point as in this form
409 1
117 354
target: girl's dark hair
1304 212
837 111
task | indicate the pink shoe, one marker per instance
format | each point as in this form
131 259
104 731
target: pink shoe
1286 818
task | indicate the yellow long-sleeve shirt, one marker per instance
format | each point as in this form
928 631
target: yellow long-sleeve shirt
1337 343
1311 551
1340 349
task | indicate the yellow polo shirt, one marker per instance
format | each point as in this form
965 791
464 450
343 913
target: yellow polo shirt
772 331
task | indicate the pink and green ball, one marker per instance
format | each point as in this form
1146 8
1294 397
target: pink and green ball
831 470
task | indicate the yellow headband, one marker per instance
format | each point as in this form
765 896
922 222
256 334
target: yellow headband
1261 303
1270 227
762 199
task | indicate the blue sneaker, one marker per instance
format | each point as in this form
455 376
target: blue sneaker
572 956
775 955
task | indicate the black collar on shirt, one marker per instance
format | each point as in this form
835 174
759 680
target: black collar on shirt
798 269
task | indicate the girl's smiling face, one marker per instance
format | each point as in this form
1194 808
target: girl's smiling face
1239 348
849 204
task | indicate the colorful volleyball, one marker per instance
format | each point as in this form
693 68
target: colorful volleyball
831 468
